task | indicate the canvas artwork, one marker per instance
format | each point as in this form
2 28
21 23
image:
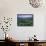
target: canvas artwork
24 19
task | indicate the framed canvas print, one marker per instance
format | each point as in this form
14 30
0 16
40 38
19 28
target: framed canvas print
24 19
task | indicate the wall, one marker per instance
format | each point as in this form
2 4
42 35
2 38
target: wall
45 27
10 8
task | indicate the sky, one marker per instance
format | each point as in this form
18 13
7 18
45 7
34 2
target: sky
24 15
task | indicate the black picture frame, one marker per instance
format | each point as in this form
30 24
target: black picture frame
24 19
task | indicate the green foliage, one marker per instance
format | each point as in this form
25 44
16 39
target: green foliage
25 22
